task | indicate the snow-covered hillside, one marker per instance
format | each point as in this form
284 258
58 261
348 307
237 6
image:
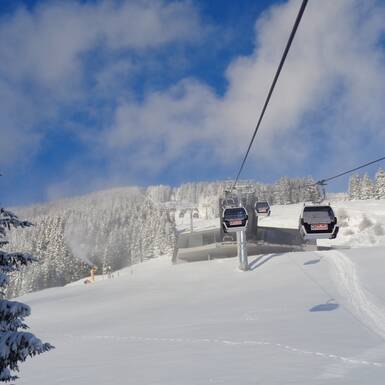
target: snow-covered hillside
116 228
119 227
296 318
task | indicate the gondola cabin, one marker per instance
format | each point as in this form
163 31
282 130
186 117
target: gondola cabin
234 219
318 222
230 202
262 209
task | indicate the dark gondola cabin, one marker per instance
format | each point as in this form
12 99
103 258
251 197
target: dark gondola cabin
234 219
318 222
262 209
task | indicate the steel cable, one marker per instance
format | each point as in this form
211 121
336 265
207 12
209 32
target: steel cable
288 45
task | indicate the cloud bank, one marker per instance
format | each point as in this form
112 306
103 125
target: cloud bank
327 108
328 100
54 56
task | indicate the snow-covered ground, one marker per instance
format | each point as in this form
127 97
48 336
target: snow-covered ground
296 318
303 318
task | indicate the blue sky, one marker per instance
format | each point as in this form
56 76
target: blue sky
98 94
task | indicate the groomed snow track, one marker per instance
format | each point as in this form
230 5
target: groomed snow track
364 305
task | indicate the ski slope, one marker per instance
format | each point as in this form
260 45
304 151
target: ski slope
295 318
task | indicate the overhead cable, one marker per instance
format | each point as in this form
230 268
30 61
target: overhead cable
324 181
291 37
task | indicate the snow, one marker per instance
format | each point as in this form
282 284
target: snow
303 318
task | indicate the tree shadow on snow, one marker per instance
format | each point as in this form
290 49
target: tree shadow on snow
312 262
328 306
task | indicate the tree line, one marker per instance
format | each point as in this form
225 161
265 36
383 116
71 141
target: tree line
114 228
124 226
363 187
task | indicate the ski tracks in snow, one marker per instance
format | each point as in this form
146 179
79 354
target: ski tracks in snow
364 305
226 342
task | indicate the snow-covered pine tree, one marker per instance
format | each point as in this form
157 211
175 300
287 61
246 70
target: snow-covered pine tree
15 345
355 187
309 191
379 184
366 187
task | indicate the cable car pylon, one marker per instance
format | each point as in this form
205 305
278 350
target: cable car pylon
242 236
235 219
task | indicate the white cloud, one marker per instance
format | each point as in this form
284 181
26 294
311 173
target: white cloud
43 55
330 95
47 43
163 126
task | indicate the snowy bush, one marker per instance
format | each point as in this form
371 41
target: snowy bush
343 217
365 223
348 232
378 229
342 214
